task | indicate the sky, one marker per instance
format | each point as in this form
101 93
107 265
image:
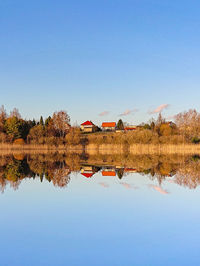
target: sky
100 60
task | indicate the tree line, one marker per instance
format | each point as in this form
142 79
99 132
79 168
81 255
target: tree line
184 129
53 130
56 130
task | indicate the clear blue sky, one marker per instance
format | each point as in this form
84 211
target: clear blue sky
92 56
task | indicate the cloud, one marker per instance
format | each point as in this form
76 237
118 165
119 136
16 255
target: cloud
159 189
103 185
171 181
104 113
159 109
171 117
128 112
128 186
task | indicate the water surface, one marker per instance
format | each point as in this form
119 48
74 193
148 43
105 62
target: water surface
99 210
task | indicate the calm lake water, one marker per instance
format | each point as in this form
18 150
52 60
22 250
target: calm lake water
99 210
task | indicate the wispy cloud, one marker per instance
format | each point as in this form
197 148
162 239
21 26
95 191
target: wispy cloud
159 189
104 113
171 117
128 112
103 184
159 109
128 186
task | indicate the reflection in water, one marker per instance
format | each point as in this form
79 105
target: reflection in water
56 168
159 189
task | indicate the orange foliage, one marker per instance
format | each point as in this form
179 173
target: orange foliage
19 141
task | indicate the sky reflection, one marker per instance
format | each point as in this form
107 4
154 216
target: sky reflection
102 220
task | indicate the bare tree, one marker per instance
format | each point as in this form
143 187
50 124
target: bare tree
61 122
188 123
15 113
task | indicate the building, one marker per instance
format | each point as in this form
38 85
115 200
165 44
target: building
108 126
108 172
89 170
130 170
88 126
130 128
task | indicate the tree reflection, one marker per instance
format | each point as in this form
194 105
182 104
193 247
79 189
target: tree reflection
57 168
13 169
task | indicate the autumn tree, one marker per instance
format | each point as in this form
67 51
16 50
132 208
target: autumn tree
74 136
160 120
47 121
36 134
15 113
165 129
15 128
3 116
61 123
158 123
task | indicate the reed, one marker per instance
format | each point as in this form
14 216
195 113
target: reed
144 149
104 148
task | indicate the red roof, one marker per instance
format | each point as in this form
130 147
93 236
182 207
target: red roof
130 128
130 169
87 123
108 124
88 175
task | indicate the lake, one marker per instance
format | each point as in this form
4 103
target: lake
70 209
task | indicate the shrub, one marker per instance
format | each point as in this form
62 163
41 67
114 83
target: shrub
195 140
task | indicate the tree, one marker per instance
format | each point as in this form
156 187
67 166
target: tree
147 126
120 173
33 123
15 127
158 123
188 123
165 129
74 136
3 116
41 121
120 125
160 120
47 121
36 134
15 113
61 122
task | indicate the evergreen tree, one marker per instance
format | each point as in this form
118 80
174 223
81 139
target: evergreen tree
34 122
41 121
120 125
47 121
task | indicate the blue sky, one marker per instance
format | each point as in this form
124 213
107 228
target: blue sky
88 57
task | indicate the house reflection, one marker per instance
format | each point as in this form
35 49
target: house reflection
108 172
57 168
89 170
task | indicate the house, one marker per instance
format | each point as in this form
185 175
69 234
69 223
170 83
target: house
130 128
108 126
130 170
88 126
89 170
